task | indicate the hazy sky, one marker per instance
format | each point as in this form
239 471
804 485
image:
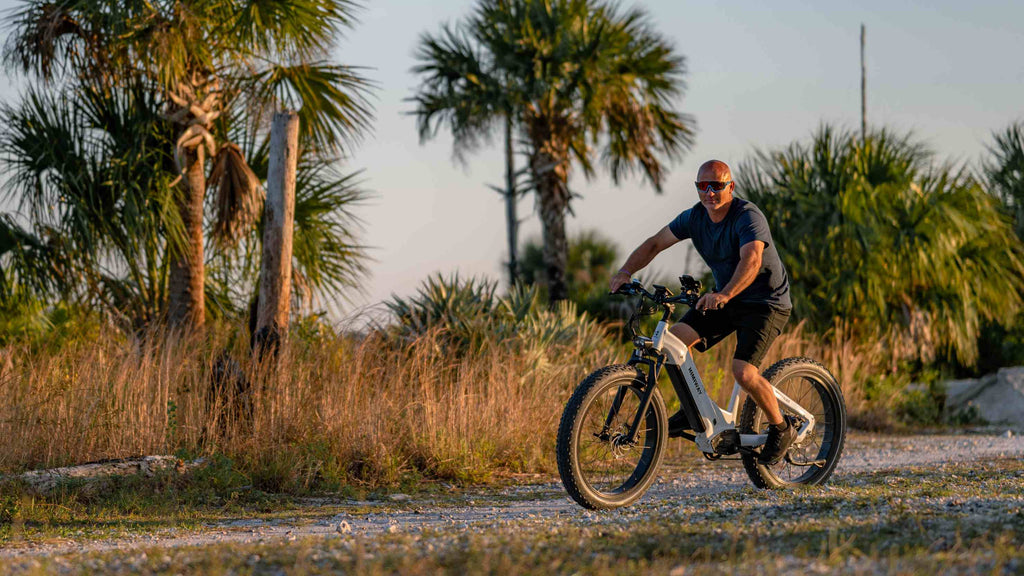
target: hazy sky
761 75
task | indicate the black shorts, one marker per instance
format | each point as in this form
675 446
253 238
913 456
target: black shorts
756 326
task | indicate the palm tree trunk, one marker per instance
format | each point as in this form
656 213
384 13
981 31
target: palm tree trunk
511 220
187 306
553 200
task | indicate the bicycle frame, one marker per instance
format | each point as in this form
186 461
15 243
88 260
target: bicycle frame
715 429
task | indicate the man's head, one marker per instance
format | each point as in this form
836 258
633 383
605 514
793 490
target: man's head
714 184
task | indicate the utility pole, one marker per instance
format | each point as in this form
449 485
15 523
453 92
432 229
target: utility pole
863 90
511 219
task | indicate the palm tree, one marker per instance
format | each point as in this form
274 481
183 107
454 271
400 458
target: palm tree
1004 171
464 88
582 72
888 244
91 171
94 176
211 64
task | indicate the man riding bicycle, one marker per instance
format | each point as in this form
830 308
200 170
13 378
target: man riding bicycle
751 294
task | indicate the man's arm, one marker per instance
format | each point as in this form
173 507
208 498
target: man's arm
642 256
746 271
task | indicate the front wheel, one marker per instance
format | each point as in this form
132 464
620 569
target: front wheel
813 387
599 467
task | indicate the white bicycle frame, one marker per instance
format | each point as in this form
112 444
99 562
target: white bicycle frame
716 420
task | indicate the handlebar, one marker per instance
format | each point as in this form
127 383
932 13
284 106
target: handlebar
689 286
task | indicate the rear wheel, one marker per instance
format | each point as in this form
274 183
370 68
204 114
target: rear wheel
599 469
813 387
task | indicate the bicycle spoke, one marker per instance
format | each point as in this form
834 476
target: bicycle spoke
606 466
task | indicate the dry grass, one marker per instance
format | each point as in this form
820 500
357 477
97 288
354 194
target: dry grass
336 410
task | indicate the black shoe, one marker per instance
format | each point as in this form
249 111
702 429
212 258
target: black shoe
677 424
778 443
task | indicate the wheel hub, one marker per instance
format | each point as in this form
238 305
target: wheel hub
620 444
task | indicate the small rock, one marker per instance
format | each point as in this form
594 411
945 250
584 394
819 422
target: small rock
392 529
399 497
1008 434
343 528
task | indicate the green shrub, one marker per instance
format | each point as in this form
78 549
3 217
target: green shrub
472 317
880 239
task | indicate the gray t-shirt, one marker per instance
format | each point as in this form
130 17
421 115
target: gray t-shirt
718 243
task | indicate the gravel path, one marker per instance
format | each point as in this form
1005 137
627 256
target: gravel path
539 503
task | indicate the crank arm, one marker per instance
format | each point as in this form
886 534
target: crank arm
818 463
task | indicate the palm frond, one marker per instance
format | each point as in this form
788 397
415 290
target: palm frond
239 196
30 264
332 100
461 88
300 29
45 35
1003 171
325 247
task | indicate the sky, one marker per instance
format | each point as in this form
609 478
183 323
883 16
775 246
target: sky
760 75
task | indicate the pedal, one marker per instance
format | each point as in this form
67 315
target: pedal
818 463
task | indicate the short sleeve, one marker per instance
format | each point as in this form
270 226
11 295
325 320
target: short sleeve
680 226
752 225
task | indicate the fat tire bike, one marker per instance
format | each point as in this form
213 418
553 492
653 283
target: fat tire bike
614 429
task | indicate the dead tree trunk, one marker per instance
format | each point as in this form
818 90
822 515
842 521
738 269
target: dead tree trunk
279 213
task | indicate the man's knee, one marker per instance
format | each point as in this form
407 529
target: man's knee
685 332
744 372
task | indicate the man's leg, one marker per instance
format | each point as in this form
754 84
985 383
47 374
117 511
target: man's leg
759 327
685 332
759 389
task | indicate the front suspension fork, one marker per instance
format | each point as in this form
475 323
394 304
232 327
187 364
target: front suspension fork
653 370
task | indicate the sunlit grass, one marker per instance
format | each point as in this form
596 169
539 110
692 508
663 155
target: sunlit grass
336 411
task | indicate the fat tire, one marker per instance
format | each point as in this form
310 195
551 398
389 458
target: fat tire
762 476
568 436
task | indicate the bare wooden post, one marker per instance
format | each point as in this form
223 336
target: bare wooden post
863 90
279 213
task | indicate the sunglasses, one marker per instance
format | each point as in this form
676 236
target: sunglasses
711 185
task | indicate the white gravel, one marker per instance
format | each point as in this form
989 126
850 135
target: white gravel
544 502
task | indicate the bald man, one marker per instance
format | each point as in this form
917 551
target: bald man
751 295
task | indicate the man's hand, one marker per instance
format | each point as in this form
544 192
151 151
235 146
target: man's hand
712 301
618 280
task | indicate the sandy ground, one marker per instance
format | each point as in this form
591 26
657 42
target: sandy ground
539 503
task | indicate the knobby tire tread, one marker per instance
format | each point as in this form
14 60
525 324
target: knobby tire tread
566 434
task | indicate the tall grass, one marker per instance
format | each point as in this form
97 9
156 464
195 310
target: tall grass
335 409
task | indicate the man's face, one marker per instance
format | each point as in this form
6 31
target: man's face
710 178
